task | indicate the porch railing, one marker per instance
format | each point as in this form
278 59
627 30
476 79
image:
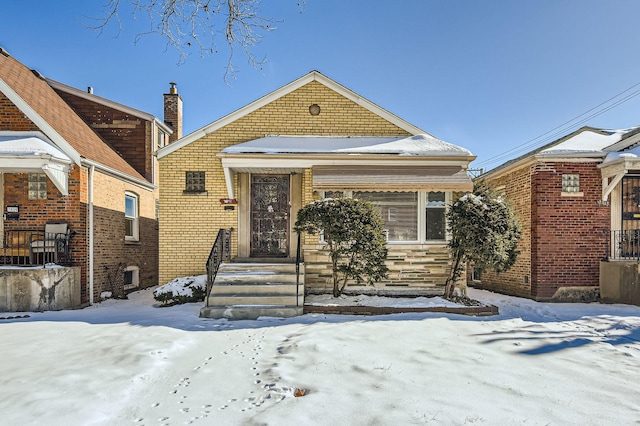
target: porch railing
298 262
625 245
220 251
28 247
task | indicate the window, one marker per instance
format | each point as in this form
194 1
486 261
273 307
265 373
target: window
162 139
37 186
195 182
399 212
571 183
435 210
131 277
131 232
404 220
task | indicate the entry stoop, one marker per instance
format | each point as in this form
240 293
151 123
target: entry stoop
252 290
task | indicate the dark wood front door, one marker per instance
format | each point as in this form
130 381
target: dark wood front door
270 215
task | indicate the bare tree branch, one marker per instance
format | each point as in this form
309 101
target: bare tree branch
189 25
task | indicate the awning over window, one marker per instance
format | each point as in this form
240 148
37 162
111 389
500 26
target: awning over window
31 152
391 178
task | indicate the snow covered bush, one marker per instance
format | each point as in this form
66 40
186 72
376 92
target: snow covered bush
484 230
182 290
354 235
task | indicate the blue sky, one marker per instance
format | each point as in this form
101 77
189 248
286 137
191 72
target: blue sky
491 76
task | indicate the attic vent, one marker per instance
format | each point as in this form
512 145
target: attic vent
3 52
37 74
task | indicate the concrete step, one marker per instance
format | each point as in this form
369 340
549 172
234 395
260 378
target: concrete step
251 290
264 267
250 312
267 289
255 300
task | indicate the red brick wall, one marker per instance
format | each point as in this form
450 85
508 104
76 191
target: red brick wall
569 233
11 118
34 214
129 135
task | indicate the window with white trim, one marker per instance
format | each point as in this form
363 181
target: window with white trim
131 277
408 217
435 215
131 217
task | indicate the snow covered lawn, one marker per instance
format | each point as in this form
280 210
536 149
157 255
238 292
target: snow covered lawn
126 362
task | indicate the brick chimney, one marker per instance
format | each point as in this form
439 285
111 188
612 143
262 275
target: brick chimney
173 112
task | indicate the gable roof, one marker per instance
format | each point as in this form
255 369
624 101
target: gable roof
586 142
285 90
56 85
31 93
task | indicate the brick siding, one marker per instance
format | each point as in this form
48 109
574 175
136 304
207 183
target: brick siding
564 236
189 223
128 135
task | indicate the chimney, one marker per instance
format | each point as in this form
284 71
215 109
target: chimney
173 112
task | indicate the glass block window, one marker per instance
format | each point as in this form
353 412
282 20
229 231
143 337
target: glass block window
436 207
399 212
570 183
37 186
195 182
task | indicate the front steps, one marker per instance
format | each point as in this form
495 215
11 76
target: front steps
252 290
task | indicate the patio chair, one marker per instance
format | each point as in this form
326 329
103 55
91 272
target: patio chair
55 244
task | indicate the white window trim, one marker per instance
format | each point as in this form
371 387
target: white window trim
136 219
135 278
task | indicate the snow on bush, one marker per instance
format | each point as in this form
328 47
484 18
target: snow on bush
182 290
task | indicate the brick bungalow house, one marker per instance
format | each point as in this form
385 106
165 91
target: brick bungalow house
71 157
575 200
253 169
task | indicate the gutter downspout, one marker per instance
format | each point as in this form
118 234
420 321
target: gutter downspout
90 201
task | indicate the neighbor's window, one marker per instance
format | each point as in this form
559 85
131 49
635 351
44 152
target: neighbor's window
399 212
435 209
131 277
195 182
131 214
571 183
37 186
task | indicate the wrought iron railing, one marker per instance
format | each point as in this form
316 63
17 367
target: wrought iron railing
625 245
220 251
28 247
298 261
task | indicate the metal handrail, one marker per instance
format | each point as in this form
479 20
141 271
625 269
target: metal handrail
221 250
298 259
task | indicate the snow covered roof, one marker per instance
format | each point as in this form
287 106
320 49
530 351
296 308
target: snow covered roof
418 145
30 144
33 152
587 142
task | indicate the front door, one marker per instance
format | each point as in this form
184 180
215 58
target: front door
270 215
629 238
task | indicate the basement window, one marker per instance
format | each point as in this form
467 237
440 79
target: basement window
131 277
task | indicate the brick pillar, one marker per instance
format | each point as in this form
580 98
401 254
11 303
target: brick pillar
173 112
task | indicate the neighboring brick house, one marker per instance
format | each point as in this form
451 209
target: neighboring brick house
256 167
568 197
68 155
